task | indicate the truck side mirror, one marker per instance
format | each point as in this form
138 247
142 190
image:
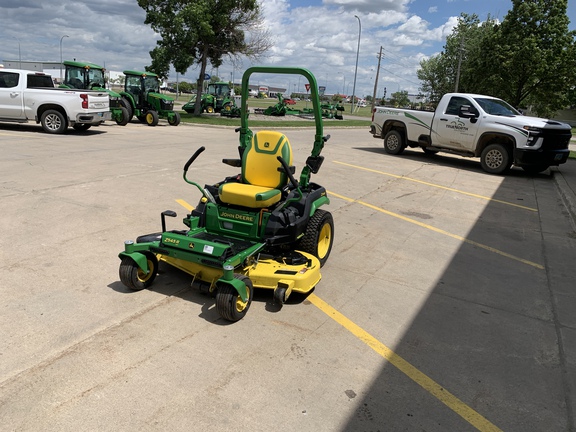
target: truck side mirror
467 111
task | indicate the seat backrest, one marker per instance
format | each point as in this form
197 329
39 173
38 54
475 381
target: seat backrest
259 162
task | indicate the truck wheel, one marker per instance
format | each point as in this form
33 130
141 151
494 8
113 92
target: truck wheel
229 304
133 277
123 118
495 159
81 127
53 122
319 236
174 120
394 143
151 118
535 169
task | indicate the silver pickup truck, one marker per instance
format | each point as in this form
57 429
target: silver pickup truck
474 125
31 96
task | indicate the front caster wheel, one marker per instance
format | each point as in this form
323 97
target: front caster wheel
229 304
134 277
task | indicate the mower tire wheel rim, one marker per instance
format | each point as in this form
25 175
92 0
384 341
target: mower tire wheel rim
229 304
209 109
319 236
134 277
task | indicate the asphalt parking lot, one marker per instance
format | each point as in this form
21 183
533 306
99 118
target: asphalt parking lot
447 303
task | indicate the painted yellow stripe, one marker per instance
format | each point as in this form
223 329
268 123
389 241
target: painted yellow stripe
185 204
427 383
438 186
440 231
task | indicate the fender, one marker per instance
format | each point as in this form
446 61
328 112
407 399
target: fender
318 203
139 258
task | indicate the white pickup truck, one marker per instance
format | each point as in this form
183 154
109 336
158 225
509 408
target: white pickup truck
27 95
475 126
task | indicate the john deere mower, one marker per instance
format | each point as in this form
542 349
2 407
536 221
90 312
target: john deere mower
90 76
142 92
261 228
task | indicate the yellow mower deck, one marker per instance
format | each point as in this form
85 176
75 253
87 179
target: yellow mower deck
264 273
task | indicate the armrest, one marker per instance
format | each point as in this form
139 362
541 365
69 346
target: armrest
233 162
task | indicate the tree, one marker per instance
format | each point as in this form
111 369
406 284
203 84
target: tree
203 31
535 55
527 59
400 99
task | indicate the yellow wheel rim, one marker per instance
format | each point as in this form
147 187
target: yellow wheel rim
241 304
142 276
324 240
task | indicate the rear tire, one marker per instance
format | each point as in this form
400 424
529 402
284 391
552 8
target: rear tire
319 236
495 159
53 122
394 143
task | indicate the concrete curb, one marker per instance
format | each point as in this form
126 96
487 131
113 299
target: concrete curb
567 194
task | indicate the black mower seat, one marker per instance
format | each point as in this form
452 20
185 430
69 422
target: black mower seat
262 182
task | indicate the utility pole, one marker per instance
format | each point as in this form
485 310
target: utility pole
376 81
459 64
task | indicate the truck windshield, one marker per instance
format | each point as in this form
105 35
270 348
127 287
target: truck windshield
497 107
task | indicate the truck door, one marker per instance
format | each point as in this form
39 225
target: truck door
11 95
452 130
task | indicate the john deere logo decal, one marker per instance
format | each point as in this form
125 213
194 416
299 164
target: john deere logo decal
266 144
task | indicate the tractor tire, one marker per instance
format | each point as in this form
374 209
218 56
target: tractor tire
151 118
229 304
319 236
81 127
209 109
174 120
124 117
126 104
495 159
133 277
53 122
394 143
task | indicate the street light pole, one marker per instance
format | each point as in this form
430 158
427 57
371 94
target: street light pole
61 78
19 53
356 70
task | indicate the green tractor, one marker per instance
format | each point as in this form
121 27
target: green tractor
142 94
218 98
259 229
90 76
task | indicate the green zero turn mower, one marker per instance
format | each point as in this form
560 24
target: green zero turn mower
262 228
142 94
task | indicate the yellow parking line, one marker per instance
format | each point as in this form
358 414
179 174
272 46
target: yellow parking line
438 186
440 231
427 383
185 204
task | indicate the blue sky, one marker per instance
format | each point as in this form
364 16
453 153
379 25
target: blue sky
320 35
